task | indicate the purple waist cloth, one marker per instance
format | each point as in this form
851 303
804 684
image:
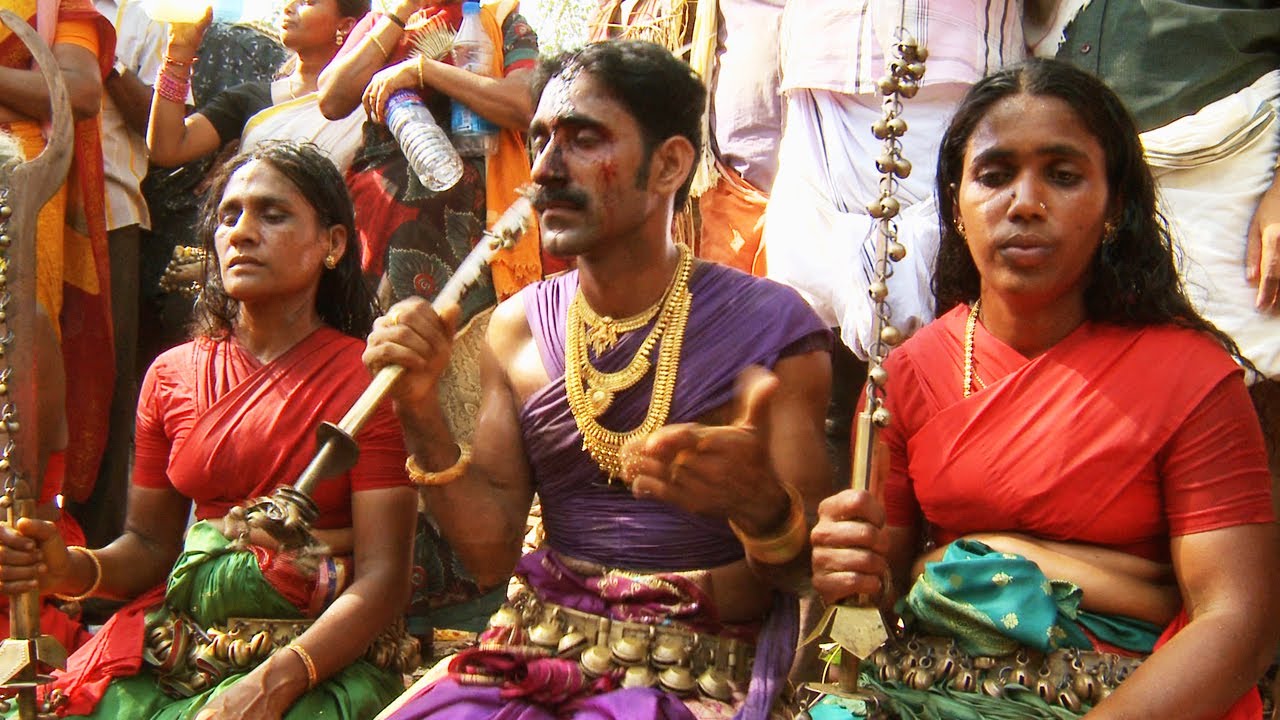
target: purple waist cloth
554 582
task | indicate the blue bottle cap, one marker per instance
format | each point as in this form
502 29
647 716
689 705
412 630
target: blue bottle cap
471 7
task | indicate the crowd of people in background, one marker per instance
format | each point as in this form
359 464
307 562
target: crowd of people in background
614 477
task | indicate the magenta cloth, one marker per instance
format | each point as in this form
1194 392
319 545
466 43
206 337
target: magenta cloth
448 699
736 321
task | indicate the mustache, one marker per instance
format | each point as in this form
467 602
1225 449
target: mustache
546 196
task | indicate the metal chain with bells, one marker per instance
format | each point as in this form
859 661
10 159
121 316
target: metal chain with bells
902 81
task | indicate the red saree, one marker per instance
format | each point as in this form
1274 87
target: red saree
1118 437
220 428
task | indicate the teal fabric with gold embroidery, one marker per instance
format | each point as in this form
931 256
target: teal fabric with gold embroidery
992 603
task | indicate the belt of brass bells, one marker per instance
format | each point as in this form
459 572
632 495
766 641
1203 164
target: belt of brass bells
189 659
672 658
1069 678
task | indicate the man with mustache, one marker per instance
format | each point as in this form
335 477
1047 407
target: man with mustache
675 474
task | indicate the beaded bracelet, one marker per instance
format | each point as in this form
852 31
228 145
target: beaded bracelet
301 652
171 88
784 545
97 574
418 476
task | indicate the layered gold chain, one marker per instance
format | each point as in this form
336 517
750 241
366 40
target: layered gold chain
591 391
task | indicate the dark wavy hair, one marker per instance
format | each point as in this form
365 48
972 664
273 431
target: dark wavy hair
664 95
1133 279
343 300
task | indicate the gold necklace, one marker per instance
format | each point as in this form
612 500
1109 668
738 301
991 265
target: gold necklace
601 443
971 326
603 386
603 330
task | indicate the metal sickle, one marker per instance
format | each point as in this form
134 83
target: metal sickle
23 191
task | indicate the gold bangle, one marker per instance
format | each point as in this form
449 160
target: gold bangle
418 476
422 81
374 37
97 574
310 664
784 545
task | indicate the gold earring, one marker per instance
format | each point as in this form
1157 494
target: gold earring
331 262
960 228
339 38
1108 232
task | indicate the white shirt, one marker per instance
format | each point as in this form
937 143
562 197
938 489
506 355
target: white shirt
140 44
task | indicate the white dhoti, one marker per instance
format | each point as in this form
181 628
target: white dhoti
818 236
1211 170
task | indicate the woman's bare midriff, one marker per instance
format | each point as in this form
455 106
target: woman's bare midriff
1114 582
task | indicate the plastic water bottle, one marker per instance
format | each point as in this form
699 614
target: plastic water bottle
473 135
427 148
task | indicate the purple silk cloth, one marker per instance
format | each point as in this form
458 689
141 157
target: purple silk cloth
448 699
736 321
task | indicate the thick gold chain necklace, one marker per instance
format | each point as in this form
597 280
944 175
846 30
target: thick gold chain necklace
602 387
601 443
970 327
603 330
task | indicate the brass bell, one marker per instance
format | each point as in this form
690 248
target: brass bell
677 679
547 633
714 683
668 651
241 653
571 644
5 211
506 616
897 251
630 650
891 335
878 290
1086 687
881 417
596 661
639 676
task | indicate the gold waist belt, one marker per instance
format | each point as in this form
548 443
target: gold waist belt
673 657
1069 678
189 659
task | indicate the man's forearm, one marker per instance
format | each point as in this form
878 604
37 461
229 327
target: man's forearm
132 98
482 520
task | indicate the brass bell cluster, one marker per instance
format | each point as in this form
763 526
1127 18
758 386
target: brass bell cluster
675 660
1073 679
902 81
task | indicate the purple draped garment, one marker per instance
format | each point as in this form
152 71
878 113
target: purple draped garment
736 320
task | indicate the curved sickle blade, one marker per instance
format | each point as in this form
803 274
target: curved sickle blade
23 191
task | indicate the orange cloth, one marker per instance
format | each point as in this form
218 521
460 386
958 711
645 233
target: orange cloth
732 223
506 172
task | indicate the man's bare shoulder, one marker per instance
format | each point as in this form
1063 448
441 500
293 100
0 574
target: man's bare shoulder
509 327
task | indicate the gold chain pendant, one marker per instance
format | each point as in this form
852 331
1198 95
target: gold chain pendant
587 400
